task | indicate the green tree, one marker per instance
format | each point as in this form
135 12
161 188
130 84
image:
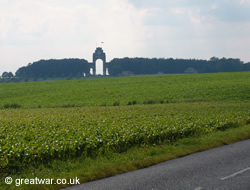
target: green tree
7 75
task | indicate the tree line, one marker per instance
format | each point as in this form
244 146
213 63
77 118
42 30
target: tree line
49 69
77 68
139 66
54 68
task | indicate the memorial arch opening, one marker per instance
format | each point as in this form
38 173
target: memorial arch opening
99 54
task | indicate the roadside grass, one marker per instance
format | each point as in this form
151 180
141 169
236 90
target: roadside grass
110 164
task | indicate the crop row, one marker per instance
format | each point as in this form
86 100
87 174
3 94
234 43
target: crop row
34 136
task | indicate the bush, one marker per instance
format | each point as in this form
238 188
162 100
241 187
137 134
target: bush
103 104
149 102
132 103
12 105
116 103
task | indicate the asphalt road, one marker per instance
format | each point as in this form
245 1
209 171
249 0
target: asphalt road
223 168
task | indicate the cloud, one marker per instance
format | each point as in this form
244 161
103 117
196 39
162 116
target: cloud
197 29
225 10
38 20
44 29
232 11
28 22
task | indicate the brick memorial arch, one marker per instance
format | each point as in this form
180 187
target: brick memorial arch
99 54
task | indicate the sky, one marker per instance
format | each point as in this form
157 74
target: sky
32 30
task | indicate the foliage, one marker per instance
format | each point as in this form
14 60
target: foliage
54 69
116 103
13 105
40 135
132 102
140 66
7 75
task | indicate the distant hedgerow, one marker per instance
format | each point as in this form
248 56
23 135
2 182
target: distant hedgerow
12 105
132 102
149 102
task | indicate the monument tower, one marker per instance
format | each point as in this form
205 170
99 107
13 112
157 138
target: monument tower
99 54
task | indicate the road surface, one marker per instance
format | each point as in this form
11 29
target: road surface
223 168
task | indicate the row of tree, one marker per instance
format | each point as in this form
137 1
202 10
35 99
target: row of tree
71 68
171 66
54 69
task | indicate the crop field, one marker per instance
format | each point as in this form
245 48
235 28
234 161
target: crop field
140 89
200 104
32 137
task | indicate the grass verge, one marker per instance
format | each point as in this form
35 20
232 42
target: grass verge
139 157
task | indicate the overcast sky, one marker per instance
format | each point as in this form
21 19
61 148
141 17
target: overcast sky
31 30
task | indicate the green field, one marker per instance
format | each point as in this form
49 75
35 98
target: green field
62 120
97 92
37 136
